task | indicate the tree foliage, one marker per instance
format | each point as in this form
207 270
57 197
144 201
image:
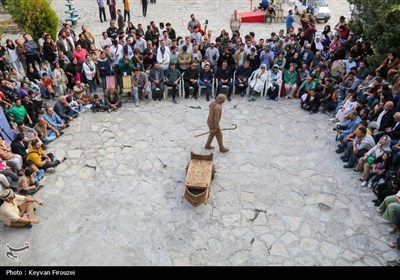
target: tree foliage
378 23
34 16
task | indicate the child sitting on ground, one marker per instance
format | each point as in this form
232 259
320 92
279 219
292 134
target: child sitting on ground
97 104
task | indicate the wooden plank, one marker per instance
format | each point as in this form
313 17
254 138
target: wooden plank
199 174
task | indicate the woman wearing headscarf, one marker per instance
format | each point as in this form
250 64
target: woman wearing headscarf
257 82
376 152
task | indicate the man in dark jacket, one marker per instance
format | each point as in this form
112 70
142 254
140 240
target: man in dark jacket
191 78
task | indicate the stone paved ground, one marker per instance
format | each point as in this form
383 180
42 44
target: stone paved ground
280 196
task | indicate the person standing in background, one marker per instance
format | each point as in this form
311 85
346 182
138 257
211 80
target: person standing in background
144 7
111 5
235 22
102 10
127 10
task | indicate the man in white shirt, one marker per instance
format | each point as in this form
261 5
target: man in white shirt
18 210
105 41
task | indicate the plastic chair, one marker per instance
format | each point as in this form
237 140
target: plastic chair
166 88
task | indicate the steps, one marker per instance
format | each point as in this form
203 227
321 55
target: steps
7 23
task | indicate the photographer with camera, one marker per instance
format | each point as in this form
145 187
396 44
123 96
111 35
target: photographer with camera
347 127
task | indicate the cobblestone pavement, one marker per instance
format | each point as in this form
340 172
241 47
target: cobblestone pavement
279 197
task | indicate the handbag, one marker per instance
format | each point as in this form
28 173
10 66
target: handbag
370 159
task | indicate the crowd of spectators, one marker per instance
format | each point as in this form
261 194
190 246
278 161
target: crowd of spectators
326 70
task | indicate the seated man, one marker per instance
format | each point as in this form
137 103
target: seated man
141 87
206 80
27 184
54 120
46 132
156 77
242 76
63 109
17 145
112 100
18 210
347 127
274 83
310 102
40 159
80 93
29 133
191 79
224 77
271 14
172 78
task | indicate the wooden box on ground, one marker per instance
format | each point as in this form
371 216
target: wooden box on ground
199 174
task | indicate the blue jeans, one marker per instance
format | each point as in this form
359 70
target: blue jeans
39 175
208 87
51 135
92 85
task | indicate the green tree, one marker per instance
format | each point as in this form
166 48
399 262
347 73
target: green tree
34 16
378 23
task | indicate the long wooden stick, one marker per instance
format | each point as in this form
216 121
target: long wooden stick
230 128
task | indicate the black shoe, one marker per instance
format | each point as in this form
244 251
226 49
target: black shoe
348 166
339 150
345 159
377 203
195 97
28 225
375 200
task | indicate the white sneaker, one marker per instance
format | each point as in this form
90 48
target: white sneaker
50 170
363 184
332 119
379 210
370 185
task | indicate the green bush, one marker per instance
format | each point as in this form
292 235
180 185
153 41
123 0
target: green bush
377 22
34 16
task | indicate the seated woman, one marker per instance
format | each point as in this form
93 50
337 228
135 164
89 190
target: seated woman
6 173
392 61
12 160
377 170
389 207
257 82
373 155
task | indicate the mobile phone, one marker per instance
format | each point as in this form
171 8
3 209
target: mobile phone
206 21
